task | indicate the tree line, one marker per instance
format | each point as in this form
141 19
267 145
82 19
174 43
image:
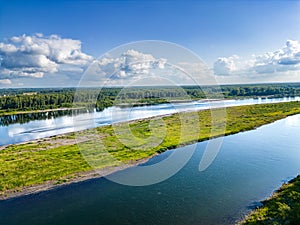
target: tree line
52 98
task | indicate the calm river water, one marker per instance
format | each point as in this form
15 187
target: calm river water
27 127
248 168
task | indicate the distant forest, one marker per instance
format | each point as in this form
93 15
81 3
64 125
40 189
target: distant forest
27 99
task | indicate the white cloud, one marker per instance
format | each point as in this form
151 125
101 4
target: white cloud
33 56
283 60
130 64
226 66
5 81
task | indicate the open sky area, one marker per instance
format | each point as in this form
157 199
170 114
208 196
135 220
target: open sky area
52 43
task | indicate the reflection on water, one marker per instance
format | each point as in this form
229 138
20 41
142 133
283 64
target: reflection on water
26 127
248 168
27 117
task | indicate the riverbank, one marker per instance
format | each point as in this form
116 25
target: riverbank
283 207
46 163
10 113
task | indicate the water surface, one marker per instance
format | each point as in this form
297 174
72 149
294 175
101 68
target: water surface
249 167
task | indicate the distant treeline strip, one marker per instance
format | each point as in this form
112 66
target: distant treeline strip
40 99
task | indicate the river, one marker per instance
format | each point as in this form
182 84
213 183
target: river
27 127
248 168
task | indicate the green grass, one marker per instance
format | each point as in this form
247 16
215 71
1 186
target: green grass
282 208
35 163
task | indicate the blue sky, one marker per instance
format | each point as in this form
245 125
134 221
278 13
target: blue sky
231 30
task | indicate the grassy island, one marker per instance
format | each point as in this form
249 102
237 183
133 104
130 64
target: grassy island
46 163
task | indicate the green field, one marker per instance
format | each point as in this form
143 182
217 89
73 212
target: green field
59 159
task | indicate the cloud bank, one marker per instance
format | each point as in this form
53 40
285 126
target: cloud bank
25 58
282 60
33 56
133 67
5 81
